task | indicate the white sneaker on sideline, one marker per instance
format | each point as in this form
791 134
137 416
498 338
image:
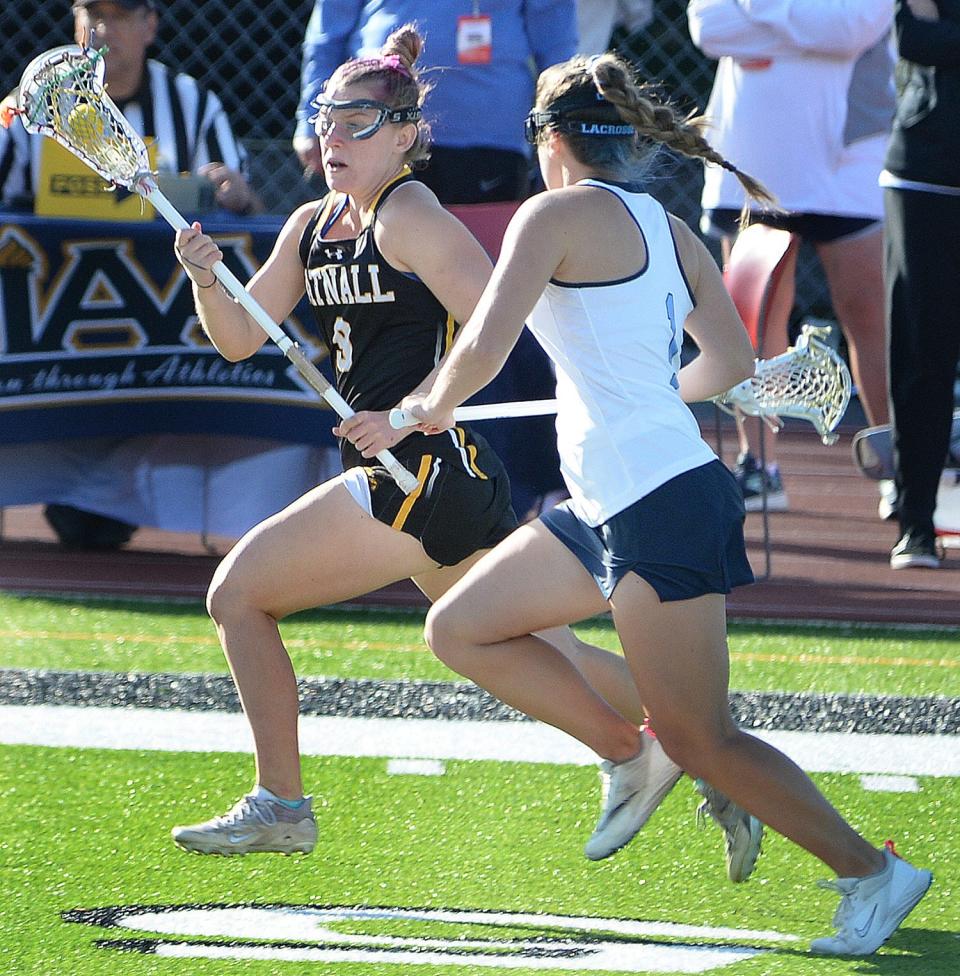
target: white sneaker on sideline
632 790
742 833
872 908
887 506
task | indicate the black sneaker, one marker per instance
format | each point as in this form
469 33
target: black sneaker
752 478
917 548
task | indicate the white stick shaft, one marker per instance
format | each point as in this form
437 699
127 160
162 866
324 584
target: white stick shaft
513 408
483 411
230 281
404 478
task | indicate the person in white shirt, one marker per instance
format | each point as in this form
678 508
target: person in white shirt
803 98
653 531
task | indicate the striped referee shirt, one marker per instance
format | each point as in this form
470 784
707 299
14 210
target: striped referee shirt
188 122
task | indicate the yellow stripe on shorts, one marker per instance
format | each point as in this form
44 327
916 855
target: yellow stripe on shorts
449 334
408 502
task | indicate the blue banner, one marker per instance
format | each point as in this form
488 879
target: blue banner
98 335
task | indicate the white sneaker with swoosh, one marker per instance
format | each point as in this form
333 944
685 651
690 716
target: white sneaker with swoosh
872 908
632 790
255 825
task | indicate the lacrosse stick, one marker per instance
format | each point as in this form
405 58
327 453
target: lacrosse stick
809 381
62 96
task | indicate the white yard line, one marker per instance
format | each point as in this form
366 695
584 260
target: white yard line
198 731
884 783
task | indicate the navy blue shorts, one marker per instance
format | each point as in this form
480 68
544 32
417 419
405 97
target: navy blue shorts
685 538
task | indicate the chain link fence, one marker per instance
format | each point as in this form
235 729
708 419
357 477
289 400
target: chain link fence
248 51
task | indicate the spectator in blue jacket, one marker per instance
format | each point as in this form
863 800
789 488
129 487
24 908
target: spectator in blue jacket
480 57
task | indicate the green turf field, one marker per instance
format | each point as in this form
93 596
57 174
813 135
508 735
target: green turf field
87 830
111 635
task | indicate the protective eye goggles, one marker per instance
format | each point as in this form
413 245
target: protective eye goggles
361 118
535 122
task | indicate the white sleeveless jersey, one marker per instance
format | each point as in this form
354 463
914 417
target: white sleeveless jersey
622 429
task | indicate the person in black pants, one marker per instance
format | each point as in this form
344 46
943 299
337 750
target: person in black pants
922 214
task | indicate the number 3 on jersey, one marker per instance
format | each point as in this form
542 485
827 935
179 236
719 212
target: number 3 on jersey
341 339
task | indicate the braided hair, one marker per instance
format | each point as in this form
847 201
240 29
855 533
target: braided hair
603 90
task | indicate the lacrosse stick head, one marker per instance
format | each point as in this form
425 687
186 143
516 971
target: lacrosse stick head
62 95
809 382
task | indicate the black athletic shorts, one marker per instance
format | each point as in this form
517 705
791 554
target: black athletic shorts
814 227
478 174
462 500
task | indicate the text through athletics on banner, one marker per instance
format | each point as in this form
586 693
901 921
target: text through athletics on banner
98 335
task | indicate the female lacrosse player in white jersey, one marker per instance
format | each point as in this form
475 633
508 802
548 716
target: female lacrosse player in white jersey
653 529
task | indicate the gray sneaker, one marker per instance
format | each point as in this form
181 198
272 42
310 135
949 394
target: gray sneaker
742 833
632 790
253 826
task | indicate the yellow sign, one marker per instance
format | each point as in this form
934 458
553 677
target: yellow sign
69 188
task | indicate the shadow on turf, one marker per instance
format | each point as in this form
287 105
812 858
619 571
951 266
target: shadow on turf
921 952
909 952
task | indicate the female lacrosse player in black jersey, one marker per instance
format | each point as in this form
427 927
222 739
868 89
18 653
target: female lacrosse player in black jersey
387 272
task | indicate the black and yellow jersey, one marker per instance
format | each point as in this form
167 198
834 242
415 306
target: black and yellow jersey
386 331
384 328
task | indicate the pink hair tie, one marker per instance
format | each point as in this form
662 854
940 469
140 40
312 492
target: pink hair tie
393 62
383 62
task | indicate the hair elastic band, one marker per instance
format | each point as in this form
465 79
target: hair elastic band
393 62
385 62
